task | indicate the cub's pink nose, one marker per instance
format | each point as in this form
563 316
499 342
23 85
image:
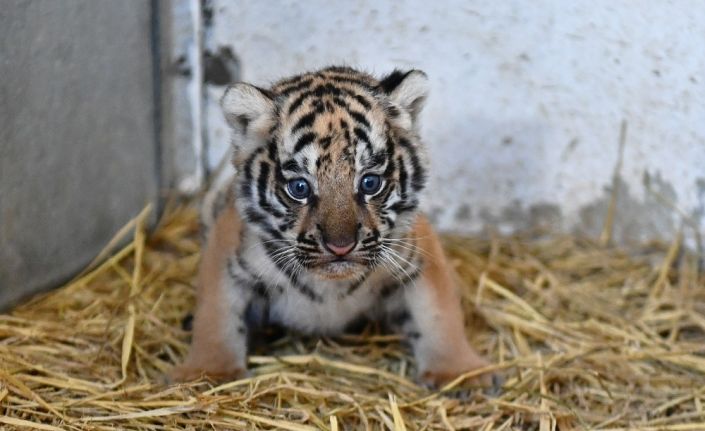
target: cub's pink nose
338 250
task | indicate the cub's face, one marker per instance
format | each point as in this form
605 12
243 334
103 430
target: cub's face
330 168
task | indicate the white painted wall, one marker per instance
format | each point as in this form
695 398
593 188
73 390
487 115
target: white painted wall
527 97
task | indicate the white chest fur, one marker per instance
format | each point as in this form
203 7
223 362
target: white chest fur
328 315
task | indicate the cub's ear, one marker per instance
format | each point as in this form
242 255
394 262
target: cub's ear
249 111
406 90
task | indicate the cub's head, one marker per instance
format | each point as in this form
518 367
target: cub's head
329 167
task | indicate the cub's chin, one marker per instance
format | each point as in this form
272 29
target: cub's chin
338 270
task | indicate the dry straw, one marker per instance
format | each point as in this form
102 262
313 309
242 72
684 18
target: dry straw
587 337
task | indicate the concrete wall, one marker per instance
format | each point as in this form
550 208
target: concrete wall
527 98
78 151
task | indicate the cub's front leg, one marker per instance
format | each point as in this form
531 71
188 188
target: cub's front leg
434 318
219 342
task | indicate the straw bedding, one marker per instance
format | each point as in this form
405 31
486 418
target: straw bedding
586 337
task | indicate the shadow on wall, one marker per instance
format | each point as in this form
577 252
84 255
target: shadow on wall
634 220
490 177
495 155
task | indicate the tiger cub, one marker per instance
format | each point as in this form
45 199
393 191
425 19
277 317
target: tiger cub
320 225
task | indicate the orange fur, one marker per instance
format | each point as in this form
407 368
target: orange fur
451 355
208 354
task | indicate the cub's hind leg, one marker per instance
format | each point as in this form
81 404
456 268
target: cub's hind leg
219 343
432 318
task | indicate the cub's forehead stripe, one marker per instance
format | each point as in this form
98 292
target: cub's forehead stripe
291 165
374 161
293 88
360 118
306 120
304 140
315 95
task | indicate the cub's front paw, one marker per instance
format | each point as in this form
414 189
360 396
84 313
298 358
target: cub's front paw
443 372
187 372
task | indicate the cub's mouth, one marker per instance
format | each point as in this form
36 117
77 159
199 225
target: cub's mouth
338 268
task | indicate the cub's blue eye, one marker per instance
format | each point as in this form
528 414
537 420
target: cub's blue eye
370 184
299 188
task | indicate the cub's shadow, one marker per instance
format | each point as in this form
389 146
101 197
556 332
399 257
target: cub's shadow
264 338
269 339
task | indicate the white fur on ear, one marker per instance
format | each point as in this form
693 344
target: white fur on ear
411 91
245 103
407 90
248 110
